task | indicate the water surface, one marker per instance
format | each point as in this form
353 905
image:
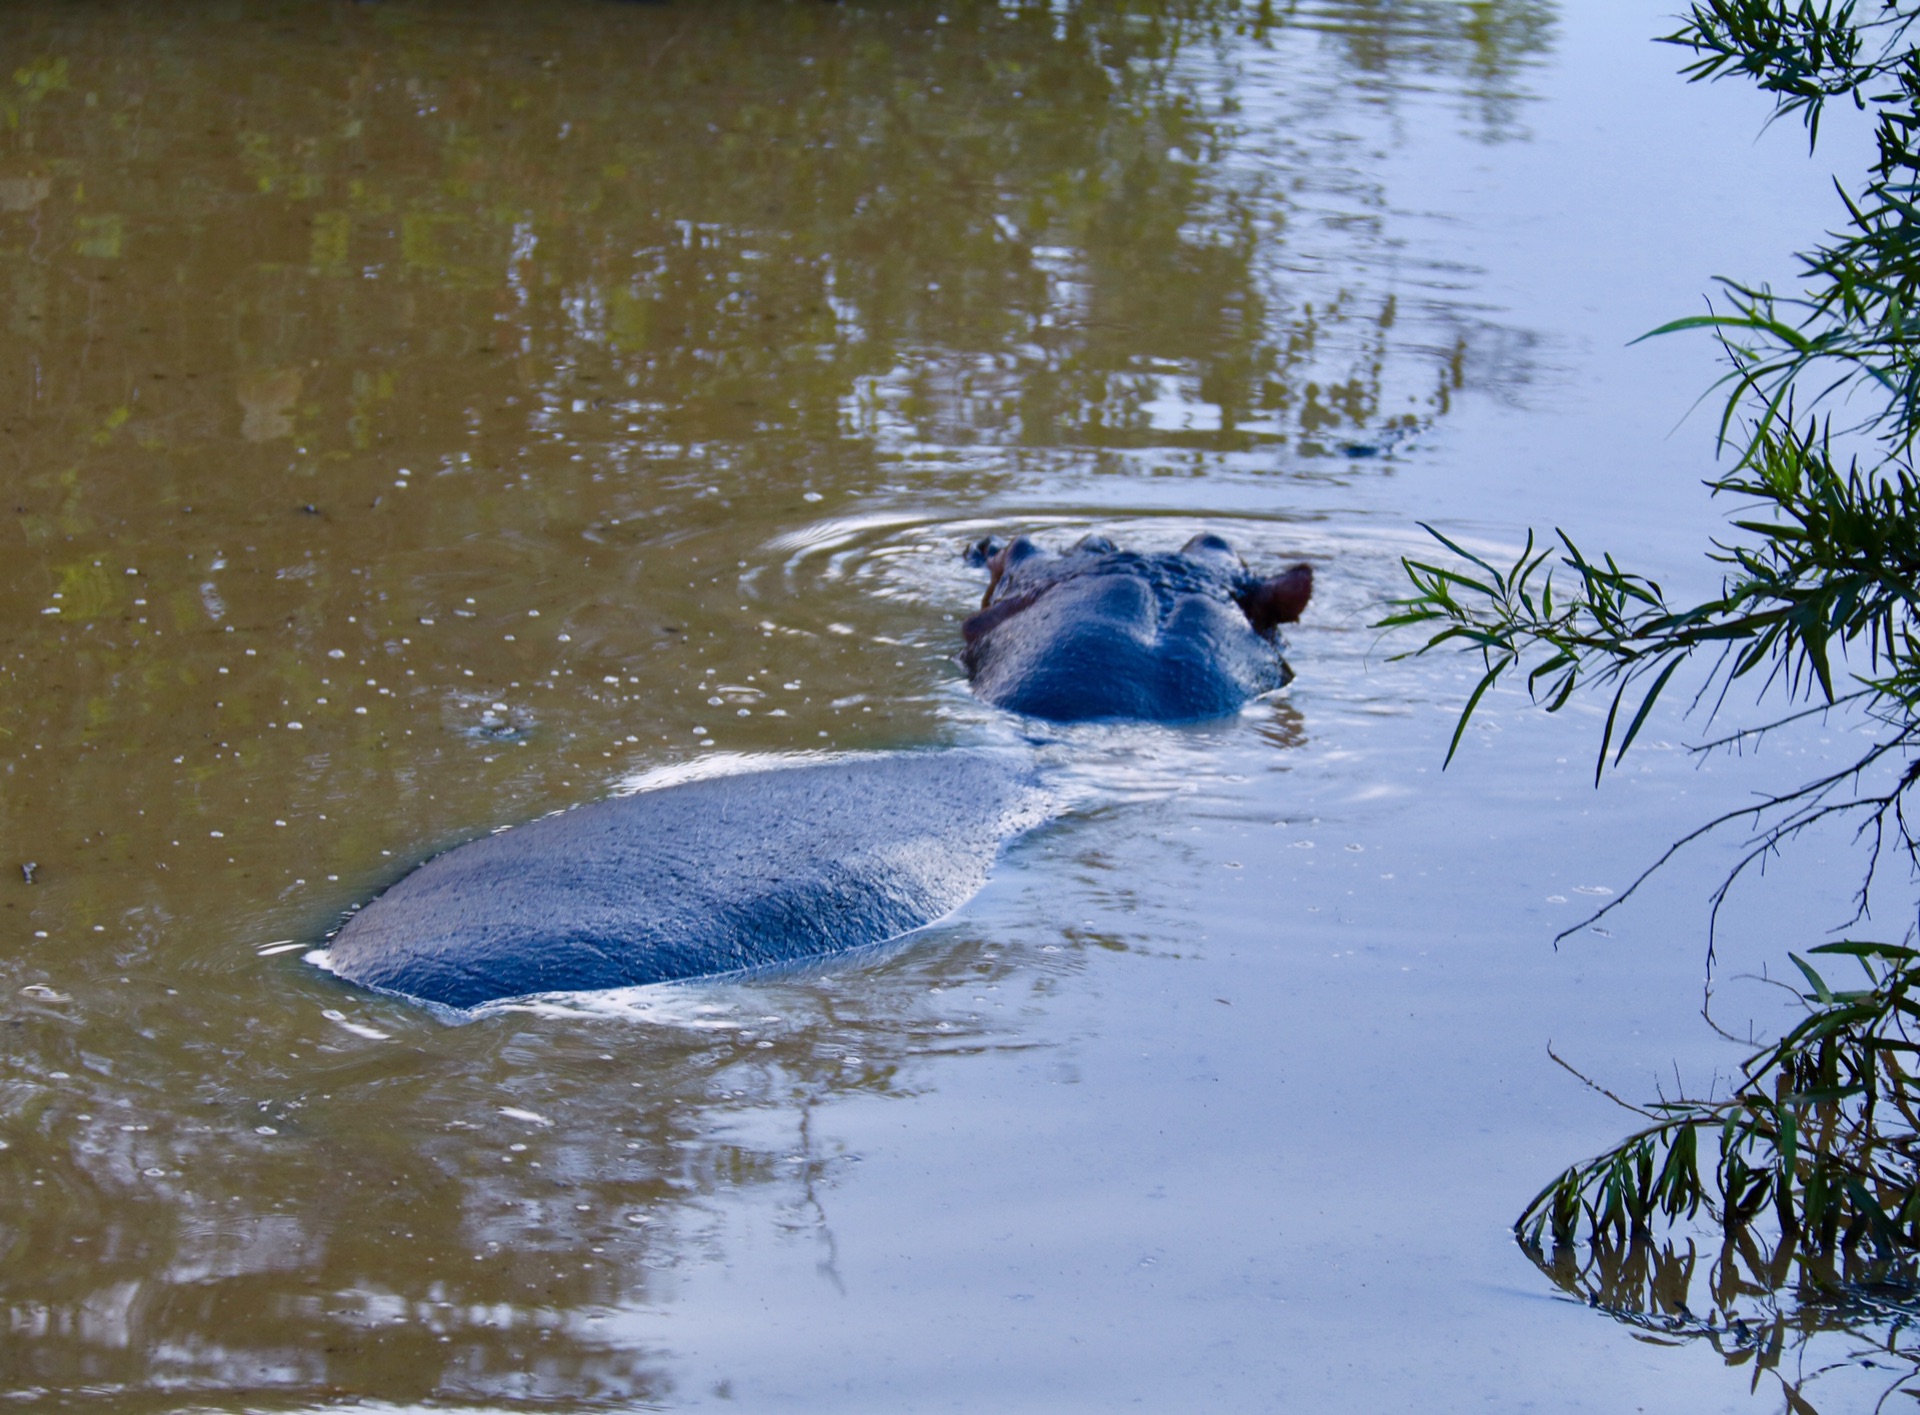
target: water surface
416 418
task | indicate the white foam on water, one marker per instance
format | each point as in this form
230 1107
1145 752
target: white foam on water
672 1005
716 764
532 1117
359 1029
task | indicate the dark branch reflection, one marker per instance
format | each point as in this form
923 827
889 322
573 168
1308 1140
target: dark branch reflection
1820 1326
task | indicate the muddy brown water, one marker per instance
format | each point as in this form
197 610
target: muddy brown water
419 418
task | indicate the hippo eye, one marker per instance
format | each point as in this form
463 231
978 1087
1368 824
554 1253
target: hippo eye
1094 545
1020 548
1206 543
1009 559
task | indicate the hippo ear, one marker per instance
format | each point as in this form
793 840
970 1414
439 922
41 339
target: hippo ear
1280 600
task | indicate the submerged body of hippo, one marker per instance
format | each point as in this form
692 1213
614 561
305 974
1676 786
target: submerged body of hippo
773 867
713 876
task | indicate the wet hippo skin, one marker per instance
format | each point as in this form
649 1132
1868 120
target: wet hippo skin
1099 632
771 867
701 878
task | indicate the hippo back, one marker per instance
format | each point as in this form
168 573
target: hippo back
706 877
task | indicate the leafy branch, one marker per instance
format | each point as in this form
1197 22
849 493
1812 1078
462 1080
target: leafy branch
1819 603
1834 566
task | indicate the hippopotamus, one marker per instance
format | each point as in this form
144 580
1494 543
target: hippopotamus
706 877
775 866
1099 632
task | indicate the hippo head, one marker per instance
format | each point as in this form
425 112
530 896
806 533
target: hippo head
1099 632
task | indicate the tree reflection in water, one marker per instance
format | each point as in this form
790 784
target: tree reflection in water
465 1221
353 344
1760 1303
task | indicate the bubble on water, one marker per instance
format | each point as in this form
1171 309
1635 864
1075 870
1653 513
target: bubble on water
1556 899
154 1172
1599 889
43 992
336 653
517 1147
532 1117
265 1130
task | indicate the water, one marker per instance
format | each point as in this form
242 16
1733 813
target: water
420 418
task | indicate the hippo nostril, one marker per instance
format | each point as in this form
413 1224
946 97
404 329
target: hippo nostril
1018 549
